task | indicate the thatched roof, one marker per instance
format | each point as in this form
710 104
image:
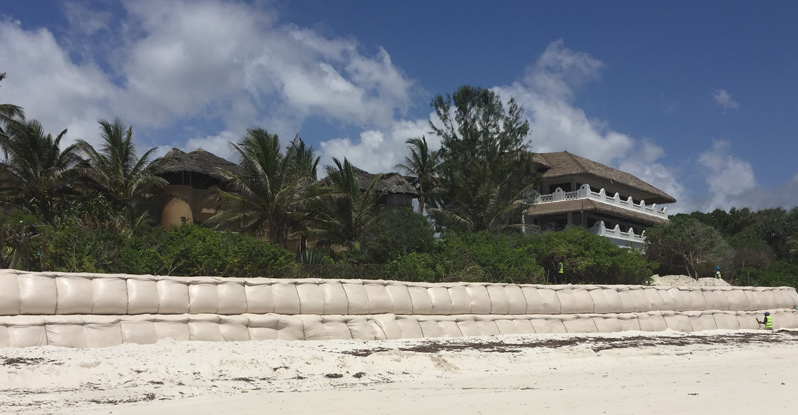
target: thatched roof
588 205
198 161
389 183
563 163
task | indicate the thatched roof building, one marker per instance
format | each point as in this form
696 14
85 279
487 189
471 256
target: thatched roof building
195 169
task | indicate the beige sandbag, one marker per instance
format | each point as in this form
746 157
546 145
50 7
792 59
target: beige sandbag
584 302
409 327
668 303
109 295
534 301
102 331
540 324
782 319
388 325
487 325
313 327
5 337
516 299
629 322
263 326
422 305
449 327
430 328
523 326
234 328
726 320
357 297
738 301
652 321
600 304
336 328
782 298
764 297
556 325
605 324
359 328
203 297
9 294
461 301
716 299
702 321
753 300
379 334
335 301
580 324
506 326
232 297
747 320
65 331
480 299
400 297
793 294
440 300
678 321
681 298
628 300
568 303
614 303
172 296
697 299
290 328
654 299
379 298
468 326
139 330
311 298
204 327
38 294
286 299
499 303
142 296
260 297
173 327
74 295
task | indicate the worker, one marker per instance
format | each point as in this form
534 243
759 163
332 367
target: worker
717 273
767 321
560 269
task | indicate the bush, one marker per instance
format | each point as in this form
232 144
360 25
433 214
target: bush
394 233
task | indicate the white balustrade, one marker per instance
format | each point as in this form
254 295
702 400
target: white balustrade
585 192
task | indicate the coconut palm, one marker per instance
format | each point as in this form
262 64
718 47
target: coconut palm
270 195
37 172
9 112
422 165
350 208
115 171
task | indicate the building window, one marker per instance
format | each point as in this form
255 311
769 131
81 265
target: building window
182 220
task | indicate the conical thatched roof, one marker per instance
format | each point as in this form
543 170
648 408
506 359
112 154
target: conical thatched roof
389 183
563 163
197 161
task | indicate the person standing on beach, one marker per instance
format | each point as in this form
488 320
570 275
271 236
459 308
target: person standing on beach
717 274
560 269
767 321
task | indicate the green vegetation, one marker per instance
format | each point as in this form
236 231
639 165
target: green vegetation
77 208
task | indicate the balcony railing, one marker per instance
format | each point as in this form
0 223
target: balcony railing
616 233
585 192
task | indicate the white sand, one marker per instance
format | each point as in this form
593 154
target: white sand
738 372
687 281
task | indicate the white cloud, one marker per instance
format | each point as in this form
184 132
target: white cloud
728 178
724 99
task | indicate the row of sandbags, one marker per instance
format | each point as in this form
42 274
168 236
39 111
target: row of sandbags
107 331
31 293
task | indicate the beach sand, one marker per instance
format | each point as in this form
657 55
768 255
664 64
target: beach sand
713 372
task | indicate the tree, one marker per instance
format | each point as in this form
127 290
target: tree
687 245
396 232
349 209
115 171
422 164
486 170
271 193
37 172
9 112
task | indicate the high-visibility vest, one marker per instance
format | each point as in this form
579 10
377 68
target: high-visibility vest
769 322
560 271
717 274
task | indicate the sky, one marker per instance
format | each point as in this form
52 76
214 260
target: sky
696 98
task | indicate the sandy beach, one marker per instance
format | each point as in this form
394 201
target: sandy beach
713 372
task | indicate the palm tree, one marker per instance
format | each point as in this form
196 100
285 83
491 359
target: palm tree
9 112
422 164
35 169
476 202
115 171
350 209
271 194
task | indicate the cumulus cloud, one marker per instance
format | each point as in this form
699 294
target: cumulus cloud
724 99
728 177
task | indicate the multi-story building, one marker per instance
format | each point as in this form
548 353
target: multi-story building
575 191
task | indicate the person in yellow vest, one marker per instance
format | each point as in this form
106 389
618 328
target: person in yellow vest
560 269
767 321
717 274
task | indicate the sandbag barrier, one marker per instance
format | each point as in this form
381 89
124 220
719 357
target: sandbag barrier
30 293
107 331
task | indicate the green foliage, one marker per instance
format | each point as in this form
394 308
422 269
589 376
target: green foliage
414 266
483 256
394 233
314 256
686 245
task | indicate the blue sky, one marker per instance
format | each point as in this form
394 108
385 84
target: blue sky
697 99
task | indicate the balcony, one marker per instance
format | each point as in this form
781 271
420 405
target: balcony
585 192
617 236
